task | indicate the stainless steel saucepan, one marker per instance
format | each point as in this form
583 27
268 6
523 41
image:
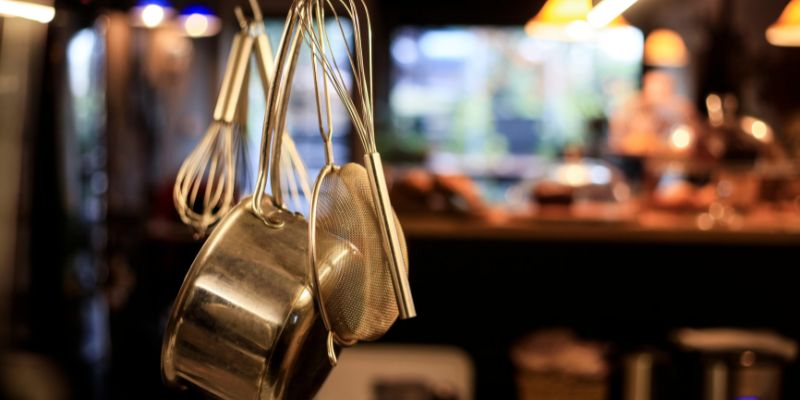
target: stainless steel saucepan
244 325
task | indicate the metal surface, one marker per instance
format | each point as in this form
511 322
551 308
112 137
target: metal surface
244 325
360 106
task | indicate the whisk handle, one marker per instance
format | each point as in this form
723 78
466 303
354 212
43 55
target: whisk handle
397 264
265 61
237 81
230 67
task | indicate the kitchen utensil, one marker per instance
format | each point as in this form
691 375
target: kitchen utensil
244 325
215 158
294 172
211 166
352 200
357 304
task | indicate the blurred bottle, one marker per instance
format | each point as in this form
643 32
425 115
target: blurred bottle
740 364
726 141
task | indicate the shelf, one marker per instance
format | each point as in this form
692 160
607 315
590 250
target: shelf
760 227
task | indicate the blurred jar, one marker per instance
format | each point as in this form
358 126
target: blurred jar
555 365
740 364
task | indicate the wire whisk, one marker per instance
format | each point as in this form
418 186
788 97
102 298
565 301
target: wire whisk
204 189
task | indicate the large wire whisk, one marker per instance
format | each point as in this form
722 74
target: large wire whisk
204 189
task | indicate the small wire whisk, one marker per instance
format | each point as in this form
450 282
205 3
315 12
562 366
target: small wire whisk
204 189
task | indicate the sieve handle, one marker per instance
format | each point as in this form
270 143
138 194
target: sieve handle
282 111
313 272
391 237
277 105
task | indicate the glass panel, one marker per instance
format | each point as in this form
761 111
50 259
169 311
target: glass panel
485 100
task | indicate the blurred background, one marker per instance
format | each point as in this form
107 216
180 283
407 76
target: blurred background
601 200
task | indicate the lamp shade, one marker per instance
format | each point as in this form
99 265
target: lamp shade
618 22
561 20
786 30
665 48
608 11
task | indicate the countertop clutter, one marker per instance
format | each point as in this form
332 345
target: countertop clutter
603 223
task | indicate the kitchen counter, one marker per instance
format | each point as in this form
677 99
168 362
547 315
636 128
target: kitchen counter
761 226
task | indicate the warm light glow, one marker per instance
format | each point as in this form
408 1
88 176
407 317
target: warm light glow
561 20
665 48
715 112
607 11
757 128
24 9
574 175
153 15
196 25
786 31
705 222
681 138
199 21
